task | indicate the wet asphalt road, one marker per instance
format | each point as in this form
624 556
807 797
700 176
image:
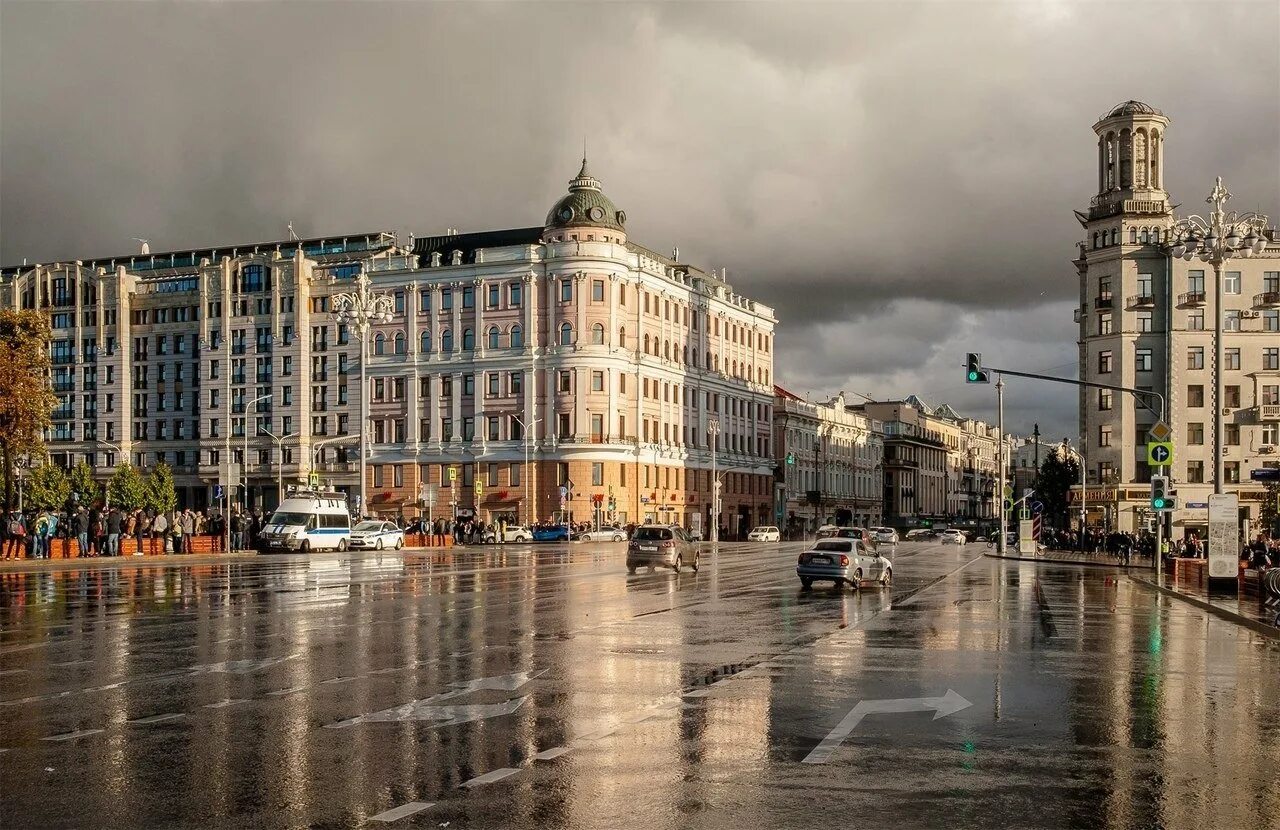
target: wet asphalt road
544 688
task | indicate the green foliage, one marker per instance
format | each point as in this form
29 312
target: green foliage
161 497
126 489
1270 508
48 487
1057 474
82 484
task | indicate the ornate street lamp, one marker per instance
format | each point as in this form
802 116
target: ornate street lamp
360 309
1216 239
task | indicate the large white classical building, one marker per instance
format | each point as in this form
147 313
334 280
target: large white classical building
600 360
1146 321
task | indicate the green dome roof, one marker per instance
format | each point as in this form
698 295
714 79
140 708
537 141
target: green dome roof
585 206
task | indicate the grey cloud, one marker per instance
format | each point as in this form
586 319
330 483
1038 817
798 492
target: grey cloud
838 159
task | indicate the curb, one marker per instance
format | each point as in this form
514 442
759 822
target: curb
1216 610
1085 563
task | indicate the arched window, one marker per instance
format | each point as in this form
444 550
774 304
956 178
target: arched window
597 334
566 334
1145 236
646 344
684 354
1133 236
493 337
622 337
379 343
399 342
426 342
666 349
517 337
446 341
468 339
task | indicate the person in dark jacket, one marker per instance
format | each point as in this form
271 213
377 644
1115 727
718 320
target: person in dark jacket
114 527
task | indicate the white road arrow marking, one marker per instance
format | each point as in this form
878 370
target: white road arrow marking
428 709
948 704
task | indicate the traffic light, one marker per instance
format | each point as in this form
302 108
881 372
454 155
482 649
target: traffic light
1161 499
974 373
791 458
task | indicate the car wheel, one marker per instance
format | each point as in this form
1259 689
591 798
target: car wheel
377 545
305 547
342 545
887 579
631 569
399 543
856 582
806 583
679 561
618 538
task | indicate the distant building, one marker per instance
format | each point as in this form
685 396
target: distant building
830 457
1146 321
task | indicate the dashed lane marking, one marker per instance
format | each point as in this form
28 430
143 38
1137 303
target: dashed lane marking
403 811
222 704
490 777
551 754
71 736
165 718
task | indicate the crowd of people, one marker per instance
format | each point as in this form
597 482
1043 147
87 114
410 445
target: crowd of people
33 534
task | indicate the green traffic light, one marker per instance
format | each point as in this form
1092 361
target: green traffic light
1157 503
973 376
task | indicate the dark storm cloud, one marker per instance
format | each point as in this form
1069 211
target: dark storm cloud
849 164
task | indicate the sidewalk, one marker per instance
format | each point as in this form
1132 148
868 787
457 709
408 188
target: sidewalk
1073 557
1243 610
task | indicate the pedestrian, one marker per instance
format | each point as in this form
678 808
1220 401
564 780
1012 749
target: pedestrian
188 531
15 536
160 530
113 532
82 530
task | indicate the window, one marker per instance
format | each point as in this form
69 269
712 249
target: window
597 334
446 341
424 300
468 429
515 295
493 337
562 381
492 381
1270 434
1144 321
513 474
1144 285
1231 396
1104 362
1270 394
492 425
566 290
468 385
1195 357
562 425
516 383
399 302
1195 395
425 343
1231 472
1231 435
597 291
566 334
1195 282
1195 472
493 293
446 299
515 428
1271 321
468 298
597 474
517 337
399 342
1195 320
1231 282
1104 436
1231 320
446 386
1104 399
446 429
1271 359
597 428
1142 360
1104 323
1271 281
597 381
379 343
468 340
1195 433
1231 359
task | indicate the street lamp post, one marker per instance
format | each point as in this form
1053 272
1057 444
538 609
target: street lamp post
528 472
360 309
244 459
1216 239
713 430
279 440
106 499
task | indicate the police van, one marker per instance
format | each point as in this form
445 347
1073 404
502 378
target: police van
309 519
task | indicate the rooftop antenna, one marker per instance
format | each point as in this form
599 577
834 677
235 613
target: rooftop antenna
292 234
146 244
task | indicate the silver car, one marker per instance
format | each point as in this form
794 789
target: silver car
666 546
843 561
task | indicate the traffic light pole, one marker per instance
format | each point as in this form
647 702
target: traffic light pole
1001 544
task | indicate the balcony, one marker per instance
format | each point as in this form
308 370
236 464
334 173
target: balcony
1102 301
1141 301
1269 412
1267 299
1191 298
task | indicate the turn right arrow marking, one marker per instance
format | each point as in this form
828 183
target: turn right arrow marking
948 704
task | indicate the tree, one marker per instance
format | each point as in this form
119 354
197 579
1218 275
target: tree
161 497
1058 472
26 401
126 489
1271 509
48 487
83 487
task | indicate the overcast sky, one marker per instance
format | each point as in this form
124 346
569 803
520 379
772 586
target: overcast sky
896 179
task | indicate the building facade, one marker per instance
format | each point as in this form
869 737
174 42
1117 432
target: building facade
831 462
596 362
1146 322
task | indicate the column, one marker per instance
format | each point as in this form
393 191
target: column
481 340
580 302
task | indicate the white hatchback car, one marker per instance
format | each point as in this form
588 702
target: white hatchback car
884 535
511 533
952 537
376 535
765 533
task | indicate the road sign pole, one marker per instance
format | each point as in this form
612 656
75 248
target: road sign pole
1000 455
